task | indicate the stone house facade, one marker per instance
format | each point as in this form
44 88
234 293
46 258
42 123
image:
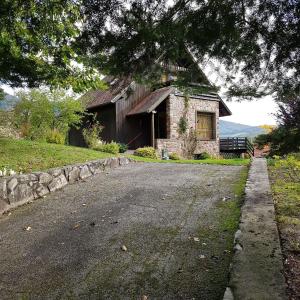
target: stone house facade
175 106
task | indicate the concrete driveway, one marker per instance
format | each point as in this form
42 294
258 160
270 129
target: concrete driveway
169 217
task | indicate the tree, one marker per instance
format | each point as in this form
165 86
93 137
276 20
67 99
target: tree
40 113
286 137
259 40
36 44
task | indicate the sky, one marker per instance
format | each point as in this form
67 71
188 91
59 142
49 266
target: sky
254 113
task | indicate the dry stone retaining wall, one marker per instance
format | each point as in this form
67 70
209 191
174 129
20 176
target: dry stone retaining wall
19 189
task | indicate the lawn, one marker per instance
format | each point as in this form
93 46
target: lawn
212 161
28 156
285 183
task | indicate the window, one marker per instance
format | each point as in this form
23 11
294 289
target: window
205 126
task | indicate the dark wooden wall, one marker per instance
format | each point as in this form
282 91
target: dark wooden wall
127 128
106 115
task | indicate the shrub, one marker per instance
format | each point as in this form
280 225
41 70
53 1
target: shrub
91 135
122 147
55 137
174 156
203 155
112 147
148 152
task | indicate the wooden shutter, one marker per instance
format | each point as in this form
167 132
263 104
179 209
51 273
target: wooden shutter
205 126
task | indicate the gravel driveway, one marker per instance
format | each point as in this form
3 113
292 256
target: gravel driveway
169 217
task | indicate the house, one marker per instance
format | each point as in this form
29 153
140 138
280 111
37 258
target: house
161 114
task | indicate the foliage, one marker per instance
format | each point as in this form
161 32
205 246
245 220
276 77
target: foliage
286 137
28 156
182 125
189 144
55 137
37 112
239 34
2 94
112 147
91 134
123 147
203 155
174 156
37 45
148 152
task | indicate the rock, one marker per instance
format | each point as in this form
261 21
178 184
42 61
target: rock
24 178
41 190
123 161
114 162
237 236
55 172
3 206
74 175
3 190
237 247
124 248
22 192
57 183
85 172
45 178
11 185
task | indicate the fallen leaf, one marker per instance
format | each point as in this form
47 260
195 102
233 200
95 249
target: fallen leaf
124 248
202 256
196 239
204 244
76 226
28 228
83 204
144 297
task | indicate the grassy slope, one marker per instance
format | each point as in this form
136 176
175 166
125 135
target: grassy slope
27 156
285 186
232 162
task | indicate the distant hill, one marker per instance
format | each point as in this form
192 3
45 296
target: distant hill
231 129
8 102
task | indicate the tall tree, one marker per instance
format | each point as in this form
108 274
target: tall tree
36 43
259 40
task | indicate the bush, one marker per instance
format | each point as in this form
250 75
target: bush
203 155
122 147
55 137
174 156
91 135
112 147
148 152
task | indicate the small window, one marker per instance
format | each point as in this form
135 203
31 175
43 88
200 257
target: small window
205 126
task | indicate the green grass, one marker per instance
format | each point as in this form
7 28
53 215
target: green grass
28 156
229 162
285 184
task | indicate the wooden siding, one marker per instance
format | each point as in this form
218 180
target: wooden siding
128 128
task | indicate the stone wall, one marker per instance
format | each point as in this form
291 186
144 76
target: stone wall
175 108
19 189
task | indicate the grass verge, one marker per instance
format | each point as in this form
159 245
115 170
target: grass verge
28 156
227 162
285 184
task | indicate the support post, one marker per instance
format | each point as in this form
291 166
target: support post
153 128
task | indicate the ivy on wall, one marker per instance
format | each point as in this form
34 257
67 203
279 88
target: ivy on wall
183 121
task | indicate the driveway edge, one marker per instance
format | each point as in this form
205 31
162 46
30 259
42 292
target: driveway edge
19 189
257 268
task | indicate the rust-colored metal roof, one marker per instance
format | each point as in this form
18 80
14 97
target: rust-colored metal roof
97 98
150 102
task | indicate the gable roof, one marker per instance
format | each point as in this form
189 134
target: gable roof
117 88
150 102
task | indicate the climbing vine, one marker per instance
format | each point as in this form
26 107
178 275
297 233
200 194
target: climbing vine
183 121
